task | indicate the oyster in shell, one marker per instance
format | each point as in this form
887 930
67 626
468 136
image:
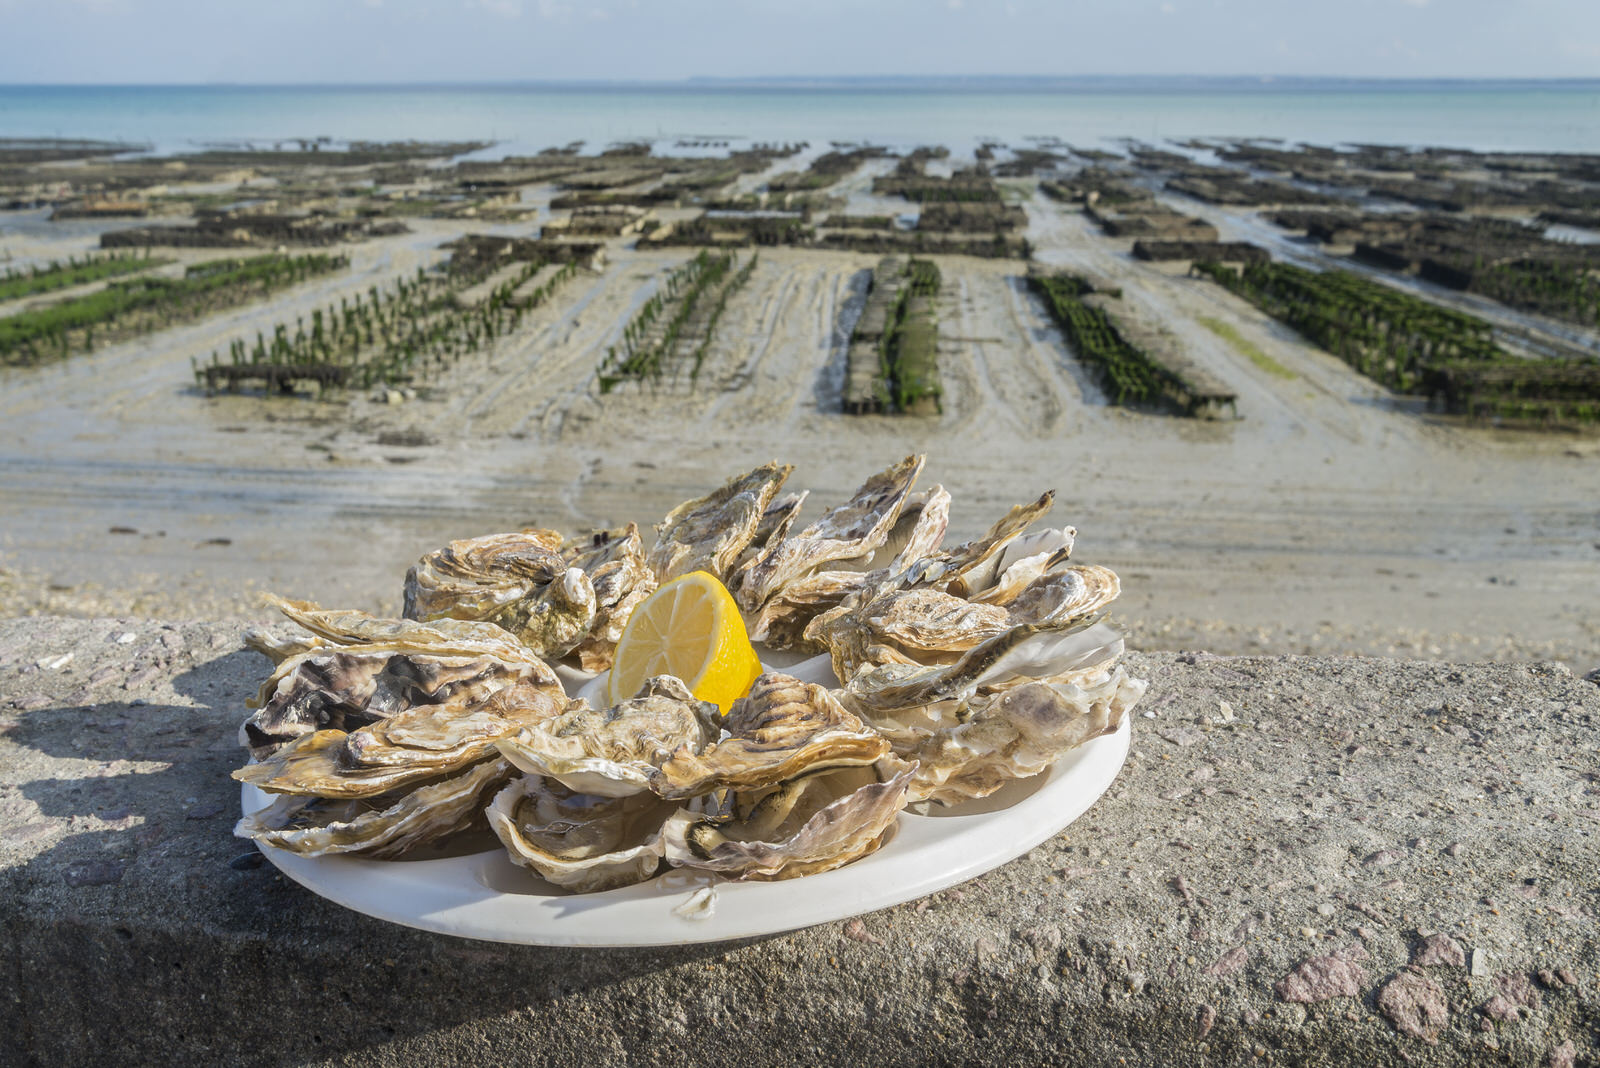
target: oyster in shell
847 532
383 828
924 625
1004 710
1021 652
916 626
800 827
517 581
614 752
445 736
1018 732
613 561
782 729
968 568
457 637
315 765
579 841
346 687
709 533
785 619
774 526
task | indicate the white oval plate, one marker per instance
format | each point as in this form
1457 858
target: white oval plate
483 895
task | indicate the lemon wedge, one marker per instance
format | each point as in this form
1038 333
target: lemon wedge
690 628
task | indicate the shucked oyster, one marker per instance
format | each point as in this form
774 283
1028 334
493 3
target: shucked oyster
316 827
347 687
783 621
782 729
613 561
1019 731
614 752
519 581
579 841
316 765
924 625
708 533
1006 709
799 827
851 530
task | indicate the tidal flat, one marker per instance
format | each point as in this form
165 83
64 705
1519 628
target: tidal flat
1327 509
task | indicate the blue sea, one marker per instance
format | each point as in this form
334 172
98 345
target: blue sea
1550 116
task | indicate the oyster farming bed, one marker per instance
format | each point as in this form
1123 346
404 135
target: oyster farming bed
408 329
1416 346
135 306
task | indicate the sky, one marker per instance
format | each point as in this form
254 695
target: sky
409 41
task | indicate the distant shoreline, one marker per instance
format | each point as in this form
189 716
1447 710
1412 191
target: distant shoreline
1122 83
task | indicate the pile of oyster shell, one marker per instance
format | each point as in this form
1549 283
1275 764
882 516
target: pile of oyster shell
960 669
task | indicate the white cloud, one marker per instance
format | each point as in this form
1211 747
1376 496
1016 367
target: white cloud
1415 3
954 5
1169 9
506 9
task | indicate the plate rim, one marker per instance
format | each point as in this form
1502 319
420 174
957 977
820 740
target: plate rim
1079 779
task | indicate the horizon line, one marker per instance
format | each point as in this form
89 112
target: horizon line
809 81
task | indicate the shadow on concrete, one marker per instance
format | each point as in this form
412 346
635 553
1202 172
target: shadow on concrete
217 956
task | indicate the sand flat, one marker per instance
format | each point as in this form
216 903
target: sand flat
1331 516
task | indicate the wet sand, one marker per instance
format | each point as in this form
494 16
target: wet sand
1330 518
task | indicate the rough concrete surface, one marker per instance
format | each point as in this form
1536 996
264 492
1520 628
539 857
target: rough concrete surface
1304 861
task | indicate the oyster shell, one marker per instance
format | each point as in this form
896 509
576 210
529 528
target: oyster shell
782 729
971 567
924 625
279 643
346 687
445 736
708 533
315 827
447 637
614 562
1019 732
614 752
785 619
579 841
847 532
800 827
774 526
314 765
517 581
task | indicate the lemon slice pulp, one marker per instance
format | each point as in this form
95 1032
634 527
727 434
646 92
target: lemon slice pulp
690 628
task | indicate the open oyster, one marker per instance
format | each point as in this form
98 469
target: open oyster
580 841
385 826
1019 731
924 625
614 563
783 621
614 752
850 531
519 581
709 533
346 687
1006 709
782 729
799 827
